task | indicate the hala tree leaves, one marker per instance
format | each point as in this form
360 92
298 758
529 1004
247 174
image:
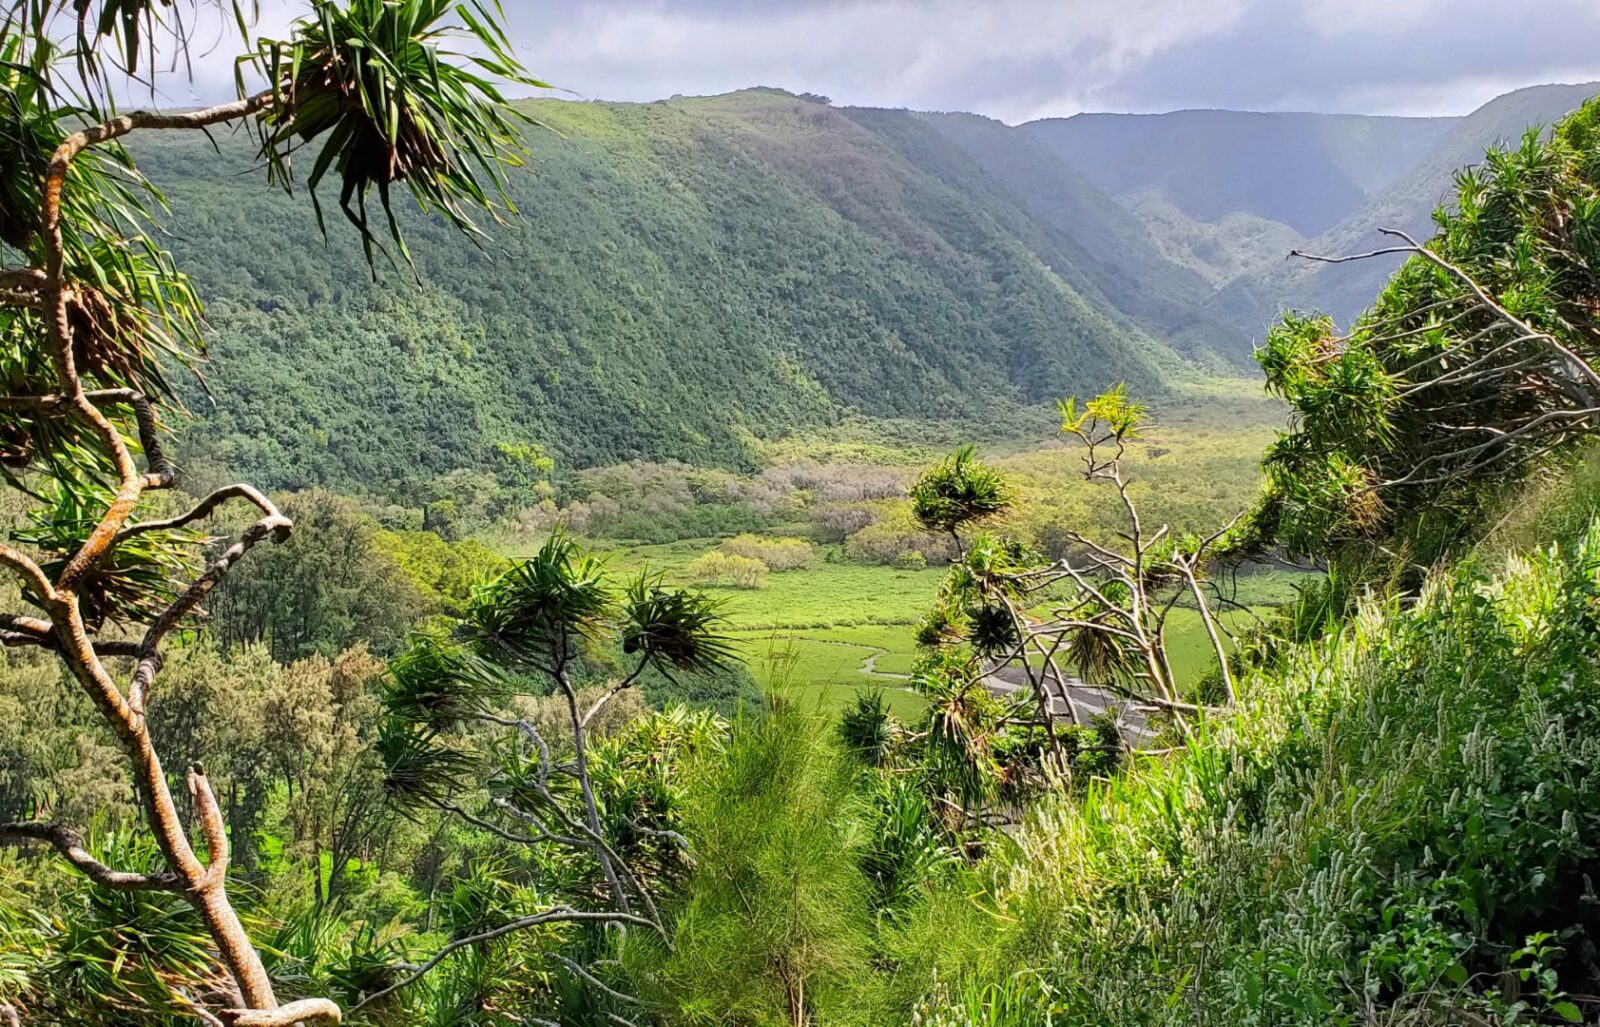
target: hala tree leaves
1473 365
958 491
380 85
532 621
535 610
676 626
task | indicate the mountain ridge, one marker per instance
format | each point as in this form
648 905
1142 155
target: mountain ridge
687 277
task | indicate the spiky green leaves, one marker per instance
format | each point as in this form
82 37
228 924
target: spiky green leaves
971 607
535 611
419 764
676 626
437 683
1433 394
521 632
1109 415
867 728
386 90
959 491
134 582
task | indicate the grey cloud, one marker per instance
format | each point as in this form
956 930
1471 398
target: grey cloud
1031 58
1022 59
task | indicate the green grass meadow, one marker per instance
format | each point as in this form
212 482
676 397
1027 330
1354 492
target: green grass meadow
813 631
835 629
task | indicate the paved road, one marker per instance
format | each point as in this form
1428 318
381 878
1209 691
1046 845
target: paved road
1089 700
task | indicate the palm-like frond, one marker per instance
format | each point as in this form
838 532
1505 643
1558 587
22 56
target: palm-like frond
436 683
675 625
418 765
135 581
381 85
959 490
532 610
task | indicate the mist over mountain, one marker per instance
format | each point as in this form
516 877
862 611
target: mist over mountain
1407 204
1306 171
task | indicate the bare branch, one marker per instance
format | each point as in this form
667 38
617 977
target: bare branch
204 508
212 824
307 1011
69 844
563 914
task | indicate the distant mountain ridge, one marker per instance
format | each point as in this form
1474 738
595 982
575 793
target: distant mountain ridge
1307 171
690 277
687 278
1407 203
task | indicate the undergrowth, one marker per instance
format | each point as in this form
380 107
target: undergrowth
1399 825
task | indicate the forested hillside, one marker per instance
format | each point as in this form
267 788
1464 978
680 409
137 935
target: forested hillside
686 276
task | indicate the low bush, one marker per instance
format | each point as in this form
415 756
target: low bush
719 568
779 554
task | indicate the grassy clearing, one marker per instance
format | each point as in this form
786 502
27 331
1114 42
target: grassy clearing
844 621
831 617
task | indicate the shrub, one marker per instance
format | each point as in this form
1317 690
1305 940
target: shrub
779 554
896 535
718 568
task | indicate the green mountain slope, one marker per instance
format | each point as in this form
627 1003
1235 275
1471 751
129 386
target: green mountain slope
1307 171
687 275
1099 248
1343 290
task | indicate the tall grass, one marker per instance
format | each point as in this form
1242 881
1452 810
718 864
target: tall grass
1399 824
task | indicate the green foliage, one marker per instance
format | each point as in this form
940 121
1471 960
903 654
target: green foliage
732 570
1370 454
867 728
779 554
444 572
330 585
135 582
589 328
393 105
534 610
772 925
958 492
674 626
1396 820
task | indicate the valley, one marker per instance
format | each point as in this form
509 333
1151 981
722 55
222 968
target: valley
481 556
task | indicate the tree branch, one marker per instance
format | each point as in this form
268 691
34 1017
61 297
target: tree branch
305 1011
69 844
562 914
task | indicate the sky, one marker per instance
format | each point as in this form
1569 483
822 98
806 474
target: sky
1018 60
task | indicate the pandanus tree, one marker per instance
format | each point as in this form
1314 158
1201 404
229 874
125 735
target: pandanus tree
96 317
1477 361
459 738
1102 610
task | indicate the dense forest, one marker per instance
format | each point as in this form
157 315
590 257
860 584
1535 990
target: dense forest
465 649
686 278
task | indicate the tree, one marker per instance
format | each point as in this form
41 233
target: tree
96 312
458 736
1475 363
773 922
1103 608
336 585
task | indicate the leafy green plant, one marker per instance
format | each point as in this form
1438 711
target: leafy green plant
97 312
601 820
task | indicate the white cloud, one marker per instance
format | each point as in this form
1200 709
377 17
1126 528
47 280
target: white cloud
884 52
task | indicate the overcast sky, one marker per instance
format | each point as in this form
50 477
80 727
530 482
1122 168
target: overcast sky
1024 59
